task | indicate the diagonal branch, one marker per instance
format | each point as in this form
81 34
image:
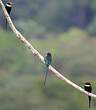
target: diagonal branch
39 56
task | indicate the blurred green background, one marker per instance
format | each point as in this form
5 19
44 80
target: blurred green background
67 28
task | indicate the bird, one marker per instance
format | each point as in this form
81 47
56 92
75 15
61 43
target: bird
88 88
48 60
8 7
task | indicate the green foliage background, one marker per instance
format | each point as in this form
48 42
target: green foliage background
21 75
59 26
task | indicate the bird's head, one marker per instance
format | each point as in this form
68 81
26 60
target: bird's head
88 83
49 54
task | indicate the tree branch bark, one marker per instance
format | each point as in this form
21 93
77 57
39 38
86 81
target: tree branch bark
39 56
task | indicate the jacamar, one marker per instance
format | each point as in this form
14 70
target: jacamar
8 7
88 88
48 60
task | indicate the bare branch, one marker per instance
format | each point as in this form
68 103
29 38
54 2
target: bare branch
39 56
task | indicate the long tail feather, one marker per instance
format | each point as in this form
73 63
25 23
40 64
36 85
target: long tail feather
6 24
46 73
89 101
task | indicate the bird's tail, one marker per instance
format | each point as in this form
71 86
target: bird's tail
89 101
46 73
6 24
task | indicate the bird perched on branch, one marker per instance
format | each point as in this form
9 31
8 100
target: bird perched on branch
48 60
88 88
8 7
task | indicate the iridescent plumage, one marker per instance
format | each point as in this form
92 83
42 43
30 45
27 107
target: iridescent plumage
48 60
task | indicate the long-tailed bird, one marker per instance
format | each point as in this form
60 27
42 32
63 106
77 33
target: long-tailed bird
48 60
88 88
8 7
